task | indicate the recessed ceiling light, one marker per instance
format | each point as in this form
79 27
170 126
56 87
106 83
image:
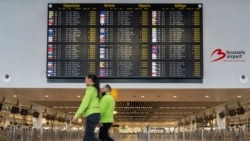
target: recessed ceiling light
239 96
142 96
46 96
14 95
78 96
207 96
174 96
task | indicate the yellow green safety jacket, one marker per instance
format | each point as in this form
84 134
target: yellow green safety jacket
107 108
90 103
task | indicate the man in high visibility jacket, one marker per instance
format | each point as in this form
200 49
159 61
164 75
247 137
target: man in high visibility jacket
107 106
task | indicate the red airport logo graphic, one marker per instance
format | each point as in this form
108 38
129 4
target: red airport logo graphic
218 54
228 56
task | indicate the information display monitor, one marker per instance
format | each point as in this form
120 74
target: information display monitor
125 42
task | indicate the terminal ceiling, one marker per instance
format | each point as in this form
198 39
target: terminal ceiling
132 105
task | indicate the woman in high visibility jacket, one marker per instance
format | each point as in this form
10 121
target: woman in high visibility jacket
90 107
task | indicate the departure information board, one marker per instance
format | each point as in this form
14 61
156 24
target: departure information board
125 42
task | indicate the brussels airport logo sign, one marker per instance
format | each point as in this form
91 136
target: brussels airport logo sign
228 55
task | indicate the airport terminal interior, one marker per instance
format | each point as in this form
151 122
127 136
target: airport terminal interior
178 69
202 114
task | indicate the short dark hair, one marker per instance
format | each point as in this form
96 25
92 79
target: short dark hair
109 87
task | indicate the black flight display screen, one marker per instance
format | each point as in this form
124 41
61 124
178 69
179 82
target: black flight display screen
125 42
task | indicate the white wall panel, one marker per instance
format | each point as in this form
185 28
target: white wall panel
23 38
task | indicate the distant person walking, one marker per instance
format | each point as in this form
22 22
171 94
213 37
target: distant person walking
107 113
90 107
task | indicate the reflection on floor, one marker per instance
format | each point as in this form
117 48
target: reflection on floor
15 133
131 137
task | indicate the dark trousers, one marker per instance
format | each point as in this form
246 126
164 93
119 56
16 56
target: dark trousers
90 124
104 132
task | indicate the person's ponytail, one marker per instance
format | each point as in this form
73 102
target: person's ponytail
96 82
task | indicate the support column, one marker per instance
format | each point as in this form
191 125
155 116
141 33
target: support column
37 122
221 122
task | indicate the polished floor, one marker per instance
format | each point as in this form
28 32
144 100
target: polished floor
13 134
